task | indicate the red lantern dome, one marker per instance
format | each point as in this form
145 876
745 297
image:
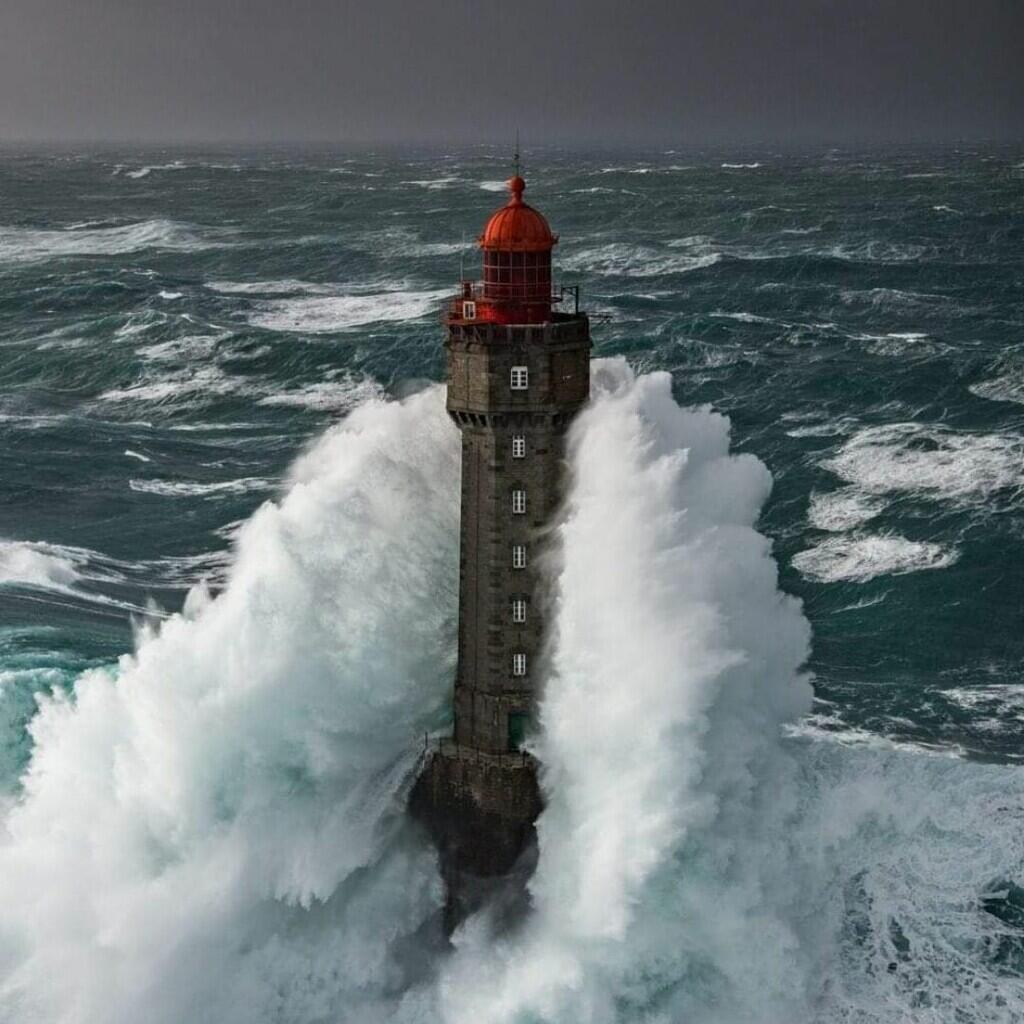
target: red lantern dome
517 226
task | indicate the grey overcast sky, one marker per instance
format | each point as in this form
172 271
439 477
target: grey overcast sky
563 71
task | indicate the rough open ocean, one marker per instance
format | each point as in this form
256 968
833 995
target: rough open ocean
784 726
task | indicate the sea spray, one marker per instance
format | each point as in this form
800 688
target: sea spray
675 661
213 832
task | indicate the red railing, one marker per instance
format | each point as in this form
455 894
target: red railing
506 294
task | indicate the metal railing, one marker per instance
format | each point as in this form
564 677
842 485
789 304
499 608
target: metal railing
525 294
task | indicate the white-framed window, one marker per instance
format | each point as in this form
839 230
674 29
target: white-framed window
518 609
518 502
520 378
469 311
518 446
519 664
518 556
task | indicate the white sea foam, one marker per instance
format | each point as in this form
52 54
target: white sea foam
142 172
842 509
622 259
191 346
1008 388
997 708
815 728
194 489
891 299
903 343
184 385
131 454
745 318
29 245
859 557
328 314
841 425
436 183
930 460
494 186
287 286
334 395
743 167
874 251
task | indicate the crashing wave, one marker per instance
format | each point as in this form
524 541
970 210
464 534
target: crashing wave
214 831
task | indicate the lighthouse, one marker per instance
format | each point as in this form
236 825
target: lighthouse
518 372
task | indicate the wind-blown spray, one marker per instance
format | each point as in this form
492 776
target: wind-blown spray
674 663
196 831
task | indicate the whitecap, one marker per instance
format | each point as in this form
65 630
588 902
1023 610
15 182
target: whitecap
322 315
931 461
191 346
995 708
194 489
1001 389
621 259
39 565
435 183
904 343
744 318
334 396
857 558
811 728
287 286
61 569
30 244
185 384
839 426
842 509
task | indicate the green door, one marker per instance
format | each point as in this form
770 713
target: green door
518 726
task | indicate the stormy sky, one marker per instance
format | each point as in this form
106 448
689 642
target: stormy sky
453 71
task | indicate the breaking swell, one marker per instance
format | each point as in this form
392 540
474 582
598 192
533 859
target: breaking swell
215 830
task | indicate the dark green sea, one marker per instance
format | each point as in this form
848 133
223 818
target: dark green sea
178 327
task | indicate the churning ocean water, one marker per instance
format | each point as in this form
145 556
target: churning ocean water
783 729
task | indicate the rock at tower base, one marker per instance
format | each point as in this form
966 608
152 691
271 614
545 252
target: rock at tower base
480 810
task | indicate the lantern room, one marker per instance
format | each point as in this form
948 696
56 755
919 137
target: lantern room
516 287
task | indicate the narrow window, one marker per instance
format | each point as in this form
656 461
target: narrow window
519 664
469 311
518 728
518 556
520 378
518 502
518 447
518 609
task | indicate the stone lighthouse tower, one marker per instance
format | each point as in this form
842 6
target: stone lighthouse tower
518 372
